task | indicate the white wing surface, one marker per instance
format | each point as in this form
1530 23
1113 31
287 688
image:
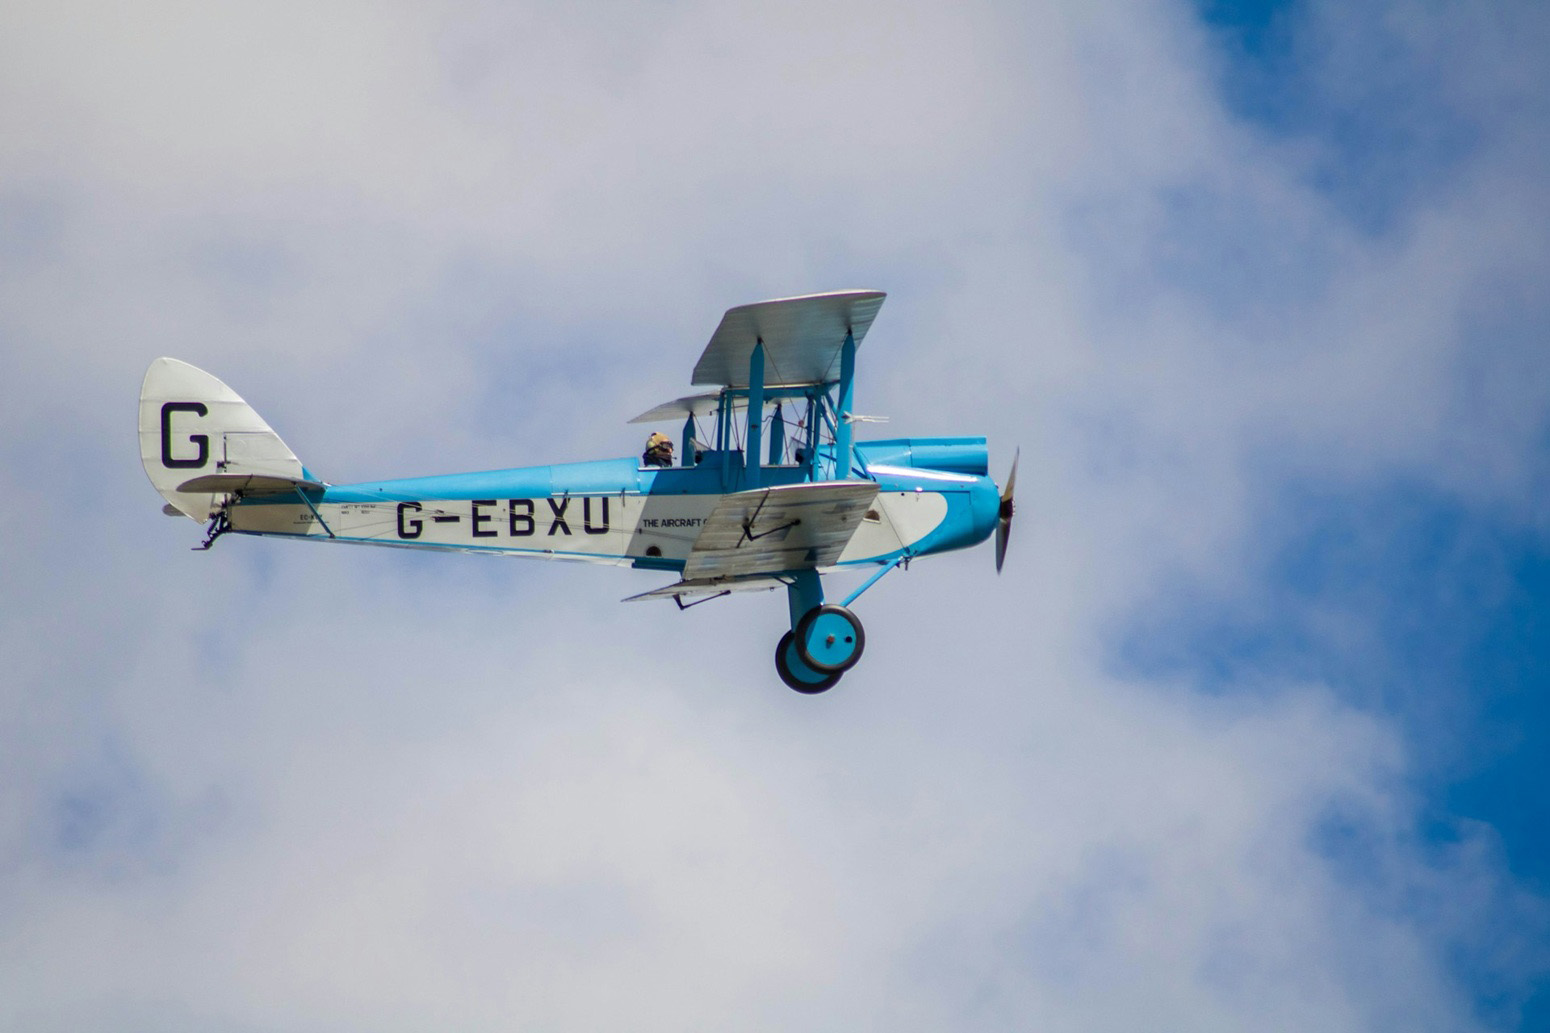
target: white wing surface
710 587
772 530
802 338
696 405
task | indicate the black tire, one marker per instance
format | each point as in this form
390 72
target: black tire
856 632
798 675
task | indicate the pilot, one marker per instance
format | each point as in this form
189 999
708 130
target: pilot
659 451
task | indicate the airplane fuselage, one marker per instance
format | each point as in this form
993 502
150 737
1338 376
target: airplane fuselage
619 512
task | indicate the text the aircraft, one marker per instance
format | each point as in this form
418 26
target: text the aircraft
771 491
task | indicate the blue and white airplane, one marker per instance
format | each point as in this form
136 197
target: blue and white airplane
761 499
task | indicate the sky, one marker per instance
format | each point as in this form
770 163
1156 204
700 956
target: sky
1250 734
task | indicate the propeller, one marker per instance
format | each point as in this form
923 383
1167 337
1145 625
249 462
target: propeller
1004 517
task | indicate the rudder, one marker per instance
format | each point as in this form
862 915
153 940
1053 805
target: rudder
193 426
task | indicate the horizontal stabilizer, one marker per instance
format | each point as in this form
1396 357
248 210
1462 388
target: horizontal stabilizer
775 530
707 587
247 484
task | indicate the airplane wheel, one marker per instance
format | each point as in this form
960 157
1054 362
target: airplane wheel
829 639
797 674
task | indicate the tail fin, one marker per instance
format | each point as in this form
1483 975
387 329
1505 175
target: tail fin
200 441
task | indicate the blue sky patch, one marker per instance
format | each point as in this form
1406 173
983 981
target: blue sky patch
1412 606
1386 136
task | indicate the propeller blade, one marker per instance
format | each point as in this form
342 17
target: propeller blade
1004 518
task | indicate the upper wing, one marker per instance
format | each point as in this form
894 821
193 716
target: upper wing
802 338
689 405
771 530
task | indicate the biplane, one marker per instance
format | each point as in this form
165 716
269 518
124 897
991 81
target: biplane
770 490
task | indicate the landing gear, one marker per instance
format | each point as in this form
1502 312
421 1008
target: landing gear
826 643
825 640
829 639
795 673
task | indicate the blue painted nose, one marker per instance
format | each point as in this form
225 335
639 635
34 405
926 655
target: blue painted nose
985 505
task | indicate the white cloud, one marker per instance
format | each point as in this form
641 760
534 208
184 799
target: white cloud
316 788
